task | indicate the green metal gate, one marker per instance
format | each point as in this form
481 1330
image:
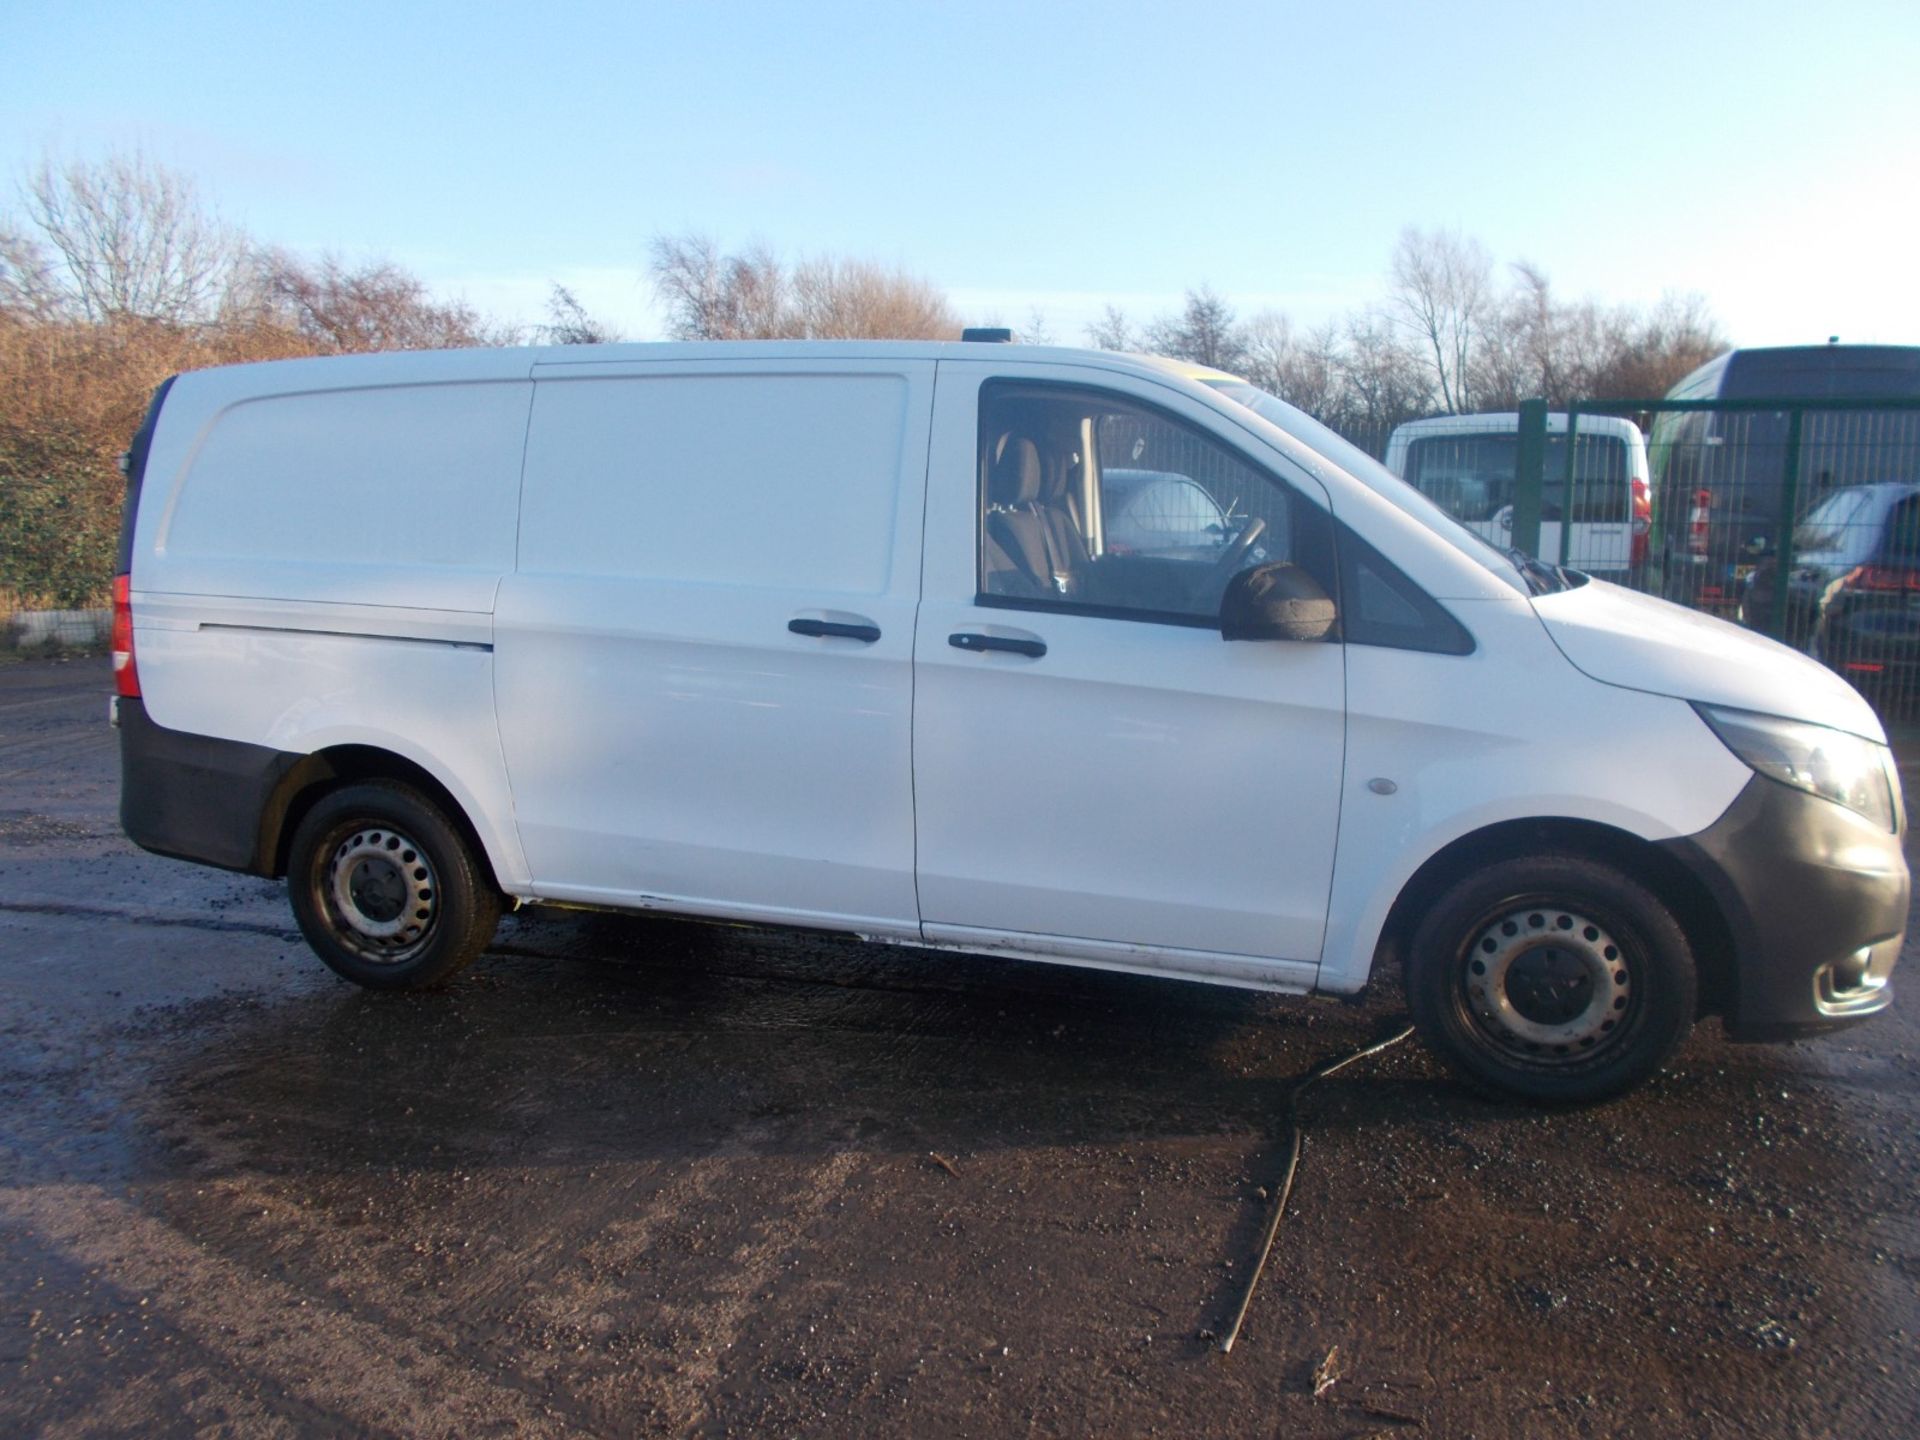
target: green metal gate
1798 518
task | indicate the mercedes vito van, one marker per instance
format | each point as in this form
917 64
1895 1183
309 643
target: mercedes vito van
866 637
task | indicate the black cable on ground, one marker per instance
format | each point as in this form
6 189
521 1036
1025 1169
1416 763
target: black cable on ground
1285 1189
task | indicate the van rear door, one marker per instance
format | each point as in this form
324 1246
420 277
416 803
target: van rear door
1472 475
705 652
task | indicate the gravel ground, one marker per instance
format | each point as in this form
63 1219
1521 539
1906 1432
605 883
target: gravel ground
639 1176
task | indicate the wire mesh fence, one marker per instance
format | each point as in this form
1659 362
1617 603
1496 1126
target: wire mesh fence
1709 504
1803 523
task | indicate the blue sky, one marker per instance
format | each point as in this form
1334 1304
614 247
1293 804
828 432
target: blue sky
1058 155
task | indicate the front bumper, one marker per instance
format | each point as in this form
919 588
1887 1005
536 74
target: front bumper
1815 898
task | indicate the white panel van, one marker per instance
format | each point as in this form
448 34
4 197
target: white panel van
1053 654
1466 464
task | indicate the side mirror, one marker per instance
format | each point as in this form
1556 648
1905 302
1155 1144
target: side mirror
1275 602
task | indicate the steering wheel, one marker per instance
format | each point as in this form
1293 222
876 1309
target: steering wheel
1237 548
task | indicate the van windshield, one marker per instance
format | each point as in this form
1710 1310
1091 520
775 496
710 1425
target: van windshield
1371 473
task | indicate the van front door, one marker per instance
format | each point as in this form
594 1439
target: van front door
1098 774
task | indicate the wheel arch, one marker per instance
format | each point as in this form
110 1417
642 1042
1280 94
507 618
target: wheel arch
324 771
1708 933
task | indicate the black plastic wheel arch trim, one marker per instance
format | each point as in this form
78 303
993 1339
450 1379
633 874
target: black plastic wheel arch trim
194 797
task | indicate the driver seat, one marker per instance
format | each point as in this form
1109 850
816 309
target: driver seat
1022 555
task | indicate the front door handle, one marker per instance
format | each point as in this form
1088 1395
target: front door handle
865 630
973 640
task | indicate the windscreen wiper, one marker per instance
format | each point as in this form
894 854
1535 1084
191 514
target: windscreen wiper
1542 578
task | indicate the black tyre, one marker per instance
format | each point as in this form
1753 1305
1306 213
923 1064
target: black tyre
1554 978
386 890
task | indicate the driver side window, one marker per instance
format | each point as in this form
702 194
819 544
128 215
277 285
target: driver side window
1090 501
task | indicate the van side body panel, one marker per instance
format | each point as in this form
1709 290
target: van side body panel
1511 732
315 559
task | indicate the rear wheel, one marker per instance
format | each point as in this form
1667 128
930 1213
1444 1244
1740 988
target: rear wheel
1555 978
386 889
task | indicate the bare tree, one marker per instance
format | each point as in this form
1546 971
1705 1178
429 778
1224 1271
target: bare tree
568 322
1302 370
1112 331
841 299
29 286
129 238
1533 344
759 302
1442 289
1651 353
710 295
338 310
1036 331
687 281
1203 332
1383 382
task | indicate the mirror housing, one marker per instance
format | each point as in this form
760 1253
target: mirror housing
1276 602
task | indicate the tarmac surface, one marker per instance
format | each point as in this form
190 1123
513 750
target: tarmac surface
637 1176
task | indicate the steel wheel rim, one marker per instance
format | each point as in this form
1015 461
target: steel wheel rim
381 892
1548 983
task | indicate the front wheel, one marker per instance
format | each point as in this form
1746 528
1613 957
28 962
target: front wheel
386 889
1554 978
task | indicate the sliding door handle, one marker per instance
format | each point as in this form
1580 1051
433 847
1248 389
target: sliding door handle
972 640
865 631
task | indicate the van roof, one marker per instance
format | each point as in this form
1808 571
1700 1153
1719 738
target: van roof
1805 371
518 362
1507 422
1187 369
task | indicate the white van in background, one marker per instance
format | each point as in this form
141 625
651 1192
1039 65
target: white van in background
1062 655
1466 464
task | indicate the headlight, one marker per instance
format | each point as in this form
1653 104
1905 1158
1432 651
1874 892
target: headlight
1832 764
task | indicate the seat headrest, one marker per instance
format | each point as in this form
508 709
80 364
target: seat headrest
1015 479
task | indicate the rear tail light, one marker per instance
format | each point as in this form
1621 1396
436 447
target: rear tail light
1642 521
1697 522
126 679
1883 578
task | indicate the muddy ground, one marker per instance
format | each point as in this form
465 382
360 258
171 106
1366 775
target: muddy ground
639 1176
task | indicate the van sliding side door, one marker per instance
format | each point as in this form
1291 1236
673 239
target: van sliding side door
704 655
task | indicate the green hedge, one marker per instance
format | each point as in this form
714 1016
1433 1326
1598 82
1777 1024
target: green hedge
59 520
